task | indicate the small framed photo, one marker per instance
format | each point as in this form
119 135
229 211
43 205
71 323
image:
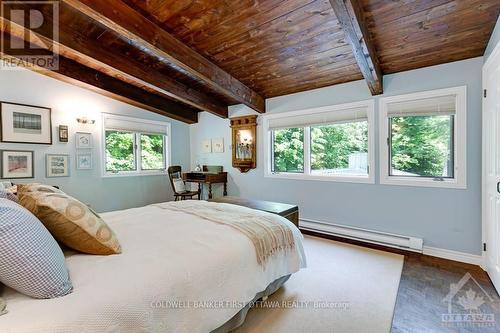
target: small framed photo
17 164
84 161
57 165
218 145
83 140
63 133
206 146
21 123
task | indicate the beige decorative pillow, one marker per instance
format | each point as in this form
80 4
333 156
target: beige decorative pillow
71 222
34 187
29 201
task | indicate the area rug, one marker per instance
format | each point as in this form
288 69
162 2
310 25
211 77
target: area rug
344 289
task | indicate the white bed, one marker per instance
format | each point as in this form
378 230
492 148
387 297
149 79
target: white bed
167 257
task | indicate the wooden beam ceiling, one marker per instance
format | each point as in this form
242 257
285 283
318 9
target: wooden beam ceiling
351 18
152 39
77 74
75 45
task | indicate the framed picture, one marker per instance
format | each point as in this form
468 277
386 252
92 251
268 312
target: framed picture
57 165
84 161
17 164
23 123
83 140
218 145
63 133
206 146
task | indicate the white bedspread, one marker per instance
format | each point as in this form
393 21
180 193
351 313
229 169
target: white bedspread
177 273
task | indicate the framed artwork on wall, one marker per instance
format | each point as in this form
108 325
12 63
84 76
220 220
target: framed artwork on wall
23 123
17 164
206 146
83 140
57 165
84 161
63 133
218 145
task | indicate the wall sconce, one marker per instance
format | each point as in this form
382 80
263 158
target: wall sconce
244 142
85 120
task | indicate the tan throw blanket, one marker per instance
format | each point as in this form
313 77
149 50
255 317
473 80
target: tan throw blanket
268 233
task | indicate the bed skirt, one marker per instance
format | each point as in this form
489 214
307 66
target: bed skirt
238 319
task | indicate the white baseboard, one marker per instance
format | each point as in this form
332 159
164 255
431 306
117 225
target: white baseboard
454 255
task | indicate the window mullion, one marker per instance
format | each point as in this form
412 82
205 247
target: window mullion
137 150
307 150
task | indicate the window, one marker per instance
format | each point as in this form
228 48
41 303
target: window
423 139
288 150
134 146
340 149
120 151
152 152
331 143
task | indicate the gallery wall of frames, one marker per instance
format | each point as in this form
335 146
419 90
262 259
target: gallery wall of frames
52 131
32 125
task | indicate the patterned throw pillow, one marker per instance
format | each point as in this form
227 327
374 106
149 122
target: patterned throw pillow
8 195
31 261
179 185
71 222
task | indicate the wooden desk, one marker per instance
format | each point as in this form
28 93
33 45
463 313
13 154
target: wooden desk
290 212
206 178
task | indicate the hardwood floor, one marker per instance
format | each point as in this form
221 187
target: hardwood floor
421 304
426 281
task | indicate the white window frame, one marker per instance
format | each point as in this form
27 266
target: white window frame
460 141
267 141
138 172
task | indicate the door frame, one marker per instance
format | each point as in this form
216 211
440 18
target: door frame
494 54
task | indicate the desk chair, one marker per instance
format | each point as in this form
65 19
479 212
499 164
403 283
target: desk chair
178 185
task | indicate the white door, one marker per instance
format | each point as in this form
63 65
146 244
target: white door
491 166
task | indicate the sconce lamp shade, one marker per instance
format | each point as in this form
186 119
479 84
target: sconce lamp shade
85 120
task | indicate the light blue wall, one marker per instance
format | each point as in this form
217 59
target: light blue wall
69 102
494 39
444 218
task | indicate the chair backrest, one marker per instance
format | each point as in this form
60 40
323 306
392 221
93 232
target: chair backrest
175 176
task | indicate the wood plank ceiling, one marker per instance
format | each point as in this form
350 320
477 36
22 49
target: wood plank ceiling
275 46
203 55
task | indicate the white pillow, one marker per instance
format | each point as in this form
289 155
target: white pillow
179 185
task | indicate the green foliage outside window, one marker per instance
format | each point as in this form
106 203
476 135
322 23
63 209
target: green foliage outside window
152 152
288 150
332 145
421 145
120 151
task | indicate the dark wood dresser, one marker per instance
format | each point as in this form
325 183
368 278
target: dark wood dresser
290 212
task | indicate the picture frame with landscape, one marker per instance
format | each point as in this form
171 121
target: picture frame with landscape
57 165
84 161
23 123
16 164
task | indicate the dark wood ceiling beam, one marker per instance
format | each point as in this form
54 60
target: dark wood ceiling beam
351 18
74 45
77 74
152 39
